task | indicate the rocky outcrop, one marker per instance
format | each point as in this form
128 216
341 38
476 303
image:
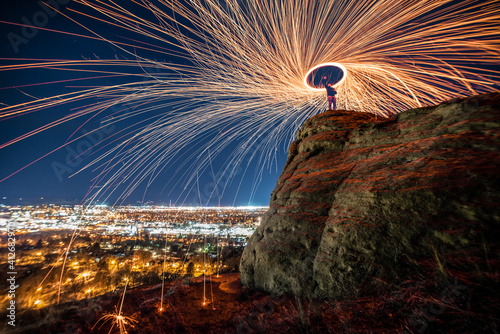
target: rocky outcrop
362 198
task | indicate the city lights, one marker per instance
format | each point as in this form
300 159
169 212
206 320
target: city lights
89 252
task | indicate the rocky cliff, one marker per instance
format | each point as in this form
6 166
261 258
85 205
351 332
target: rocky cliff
364 200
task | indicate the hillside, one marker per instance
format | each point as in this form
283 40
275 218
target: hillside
376 225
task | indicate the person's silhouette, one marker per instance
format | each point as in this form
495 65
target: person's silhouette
331 92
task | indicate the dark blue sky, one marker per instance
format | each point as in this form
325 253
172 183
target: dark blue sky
48 177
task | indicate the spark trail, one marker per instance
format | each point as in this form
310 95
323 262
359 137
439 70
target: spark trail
241 87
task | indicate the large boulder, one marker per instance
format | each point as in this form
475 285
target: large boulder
361 198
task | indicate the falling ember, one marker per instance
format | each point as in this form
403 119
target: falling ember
118 319
204 269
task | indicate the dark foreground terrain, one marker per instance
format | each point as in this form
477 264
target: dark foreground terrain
417 306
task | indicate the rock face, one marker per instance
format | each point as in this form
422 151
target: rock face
360 199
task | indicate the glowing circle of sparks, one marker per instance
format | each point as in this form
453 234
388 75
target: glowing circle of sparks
342 67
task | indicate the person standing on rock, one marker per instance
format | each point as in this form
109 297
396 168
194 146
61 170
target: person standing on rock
332 100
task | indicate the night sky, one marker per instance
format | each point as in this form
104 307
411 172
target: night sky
48 177
40 166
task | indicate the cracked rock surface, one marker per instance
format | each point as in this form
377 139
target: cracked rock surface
361 199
